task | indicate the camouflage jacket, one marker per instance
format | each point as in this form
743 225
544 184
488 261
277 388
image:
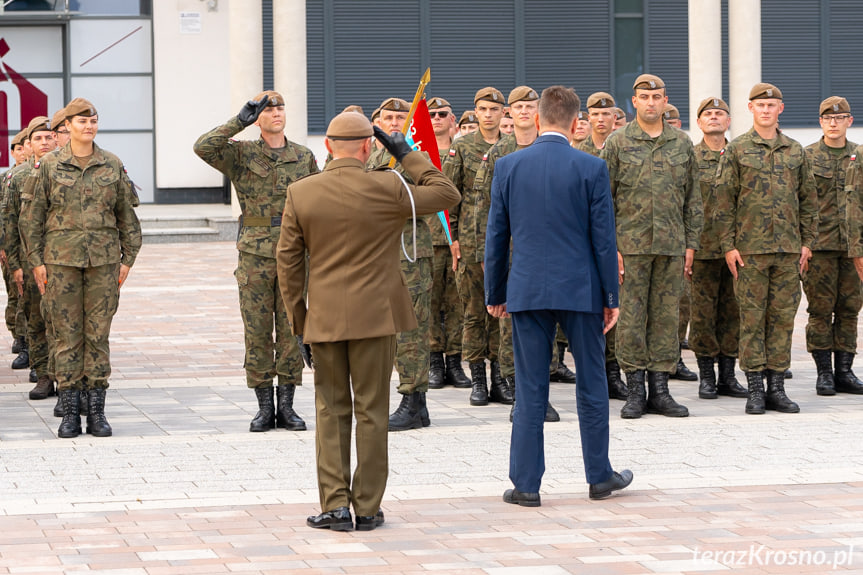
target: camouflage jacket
435 224
657 206
766 200
708 161
80 218
13 184
462 163
829 172
380 160
854 203
588 146
260 175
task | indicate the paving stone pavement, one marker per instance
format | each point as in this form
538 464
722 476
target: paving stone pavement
183 487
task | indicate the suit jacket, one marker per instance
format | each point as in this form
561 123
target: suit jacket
555 203
350 221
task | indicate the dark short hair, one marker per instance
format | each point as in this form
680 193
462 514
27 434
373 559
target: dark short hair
558 106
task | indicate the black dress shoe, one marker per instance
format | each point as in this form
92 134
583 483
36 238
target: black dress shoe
516 497
616 482
339 519
369 522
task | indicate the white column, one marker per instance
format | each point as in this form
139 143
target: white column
744 59
289 65
705 56
246 61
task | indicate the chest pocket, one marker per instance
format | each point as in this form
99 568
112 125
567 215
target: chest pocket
107 178
678 164
259 167
64 177
823 171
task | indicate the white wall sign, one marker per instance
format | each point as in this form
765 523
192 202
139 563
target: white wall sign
190 22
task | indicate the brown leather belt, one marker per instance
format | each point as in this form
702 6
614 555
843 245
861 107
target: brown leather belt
261 221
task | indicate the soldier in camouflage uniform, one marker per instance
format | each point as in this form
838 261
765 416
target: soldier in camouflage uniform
79 226
601 108
42 142
854 209
261 171
767 217
831 284
658 215
582 129
412 347
619 118
16 322
447 312
468 123
481 335
715 326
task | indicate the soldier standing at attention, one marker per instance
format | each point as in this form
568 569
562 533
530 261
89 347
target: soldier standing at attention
831 284
468 123
619 118
767 218
715 318
481 336
261 171
79 225
658 215
447 312
854 209
582 130
671 115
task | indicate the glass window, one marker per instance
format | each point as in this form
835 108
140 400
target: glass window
110 7
628 58
628 6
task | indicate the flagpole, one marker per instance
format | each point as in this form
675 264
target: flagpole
424 81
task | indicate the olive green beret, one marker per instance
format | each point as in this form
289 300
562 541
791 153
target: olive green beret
712 104
834 105
273 98
468 118
395 105
522 93
490 94
436 103
582 115
671 112
600 100
763 90
58 119
38 124
349 126
354 108
80 107
18 139
648 82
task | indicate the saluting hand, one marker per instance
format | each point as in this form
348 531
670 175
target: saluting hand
251 110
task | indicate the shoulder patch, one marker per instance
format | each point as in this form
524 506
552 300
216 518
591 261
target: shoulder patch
36 165
485 157
853 157
451 152
722 152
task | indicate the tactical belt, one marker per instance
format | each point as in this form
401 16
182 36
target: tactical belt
260 221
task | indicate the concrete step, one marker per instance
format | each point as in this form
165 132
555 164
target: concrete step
165 229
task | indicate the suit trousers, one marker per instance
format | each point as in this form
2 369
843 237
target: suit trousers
364 367
533 336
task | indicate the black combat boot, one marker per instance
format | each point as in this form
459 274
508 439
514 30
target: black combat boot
23 359
34 378
755 402
788 374
707 385
407 414
424 410
616 387
636 401
455 375
846 381
728 384
824 385
84 402
436 370
500 392
479 393
58 407
659 400
775 398
562 374
71 424
44 388
97 424
18 344
286 417
265 419
682 372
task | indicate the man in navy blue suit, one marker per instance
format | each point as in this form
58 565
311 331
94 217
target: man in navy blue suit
554 202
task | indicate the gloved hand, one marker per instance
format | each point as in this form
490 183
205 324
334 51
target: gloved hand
306 352
251 110
395 143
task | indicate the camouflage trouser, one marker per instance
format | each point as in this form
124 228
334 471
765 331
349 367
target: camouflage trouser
833 290
36 339
647 327
447 313
768 293
262 308
715 326
50 338
506 353
412 347
611 345
16 321
83 302
683 312
481 335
